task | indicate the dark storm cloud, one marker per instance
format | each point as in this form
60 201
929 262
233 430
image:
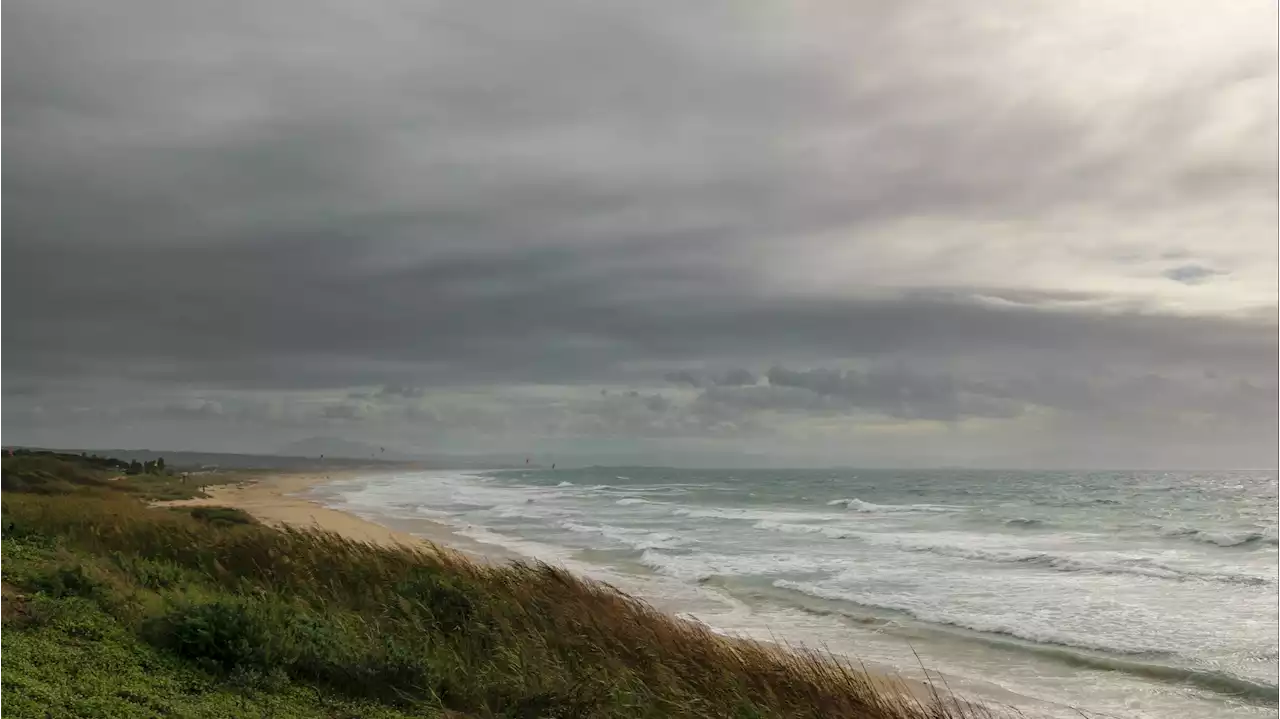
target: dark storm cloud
21 390
657 403
279 316
204 409
1192 274
736 377
684 377
477 123
480 122
344 411
270 196
401 392
898 392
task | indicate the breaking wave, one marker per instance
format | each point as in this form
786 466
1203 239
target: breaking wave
1134 566
857 505
1021 522
1224 539
637 539
1065 648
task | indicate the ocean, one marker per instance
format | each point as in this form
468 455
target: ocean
1123 594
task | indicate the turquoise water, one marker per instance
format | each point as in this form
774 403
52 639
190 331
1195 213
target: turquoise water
1128 594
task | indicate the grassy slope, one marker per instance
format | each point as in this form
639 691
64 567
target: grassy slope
116 609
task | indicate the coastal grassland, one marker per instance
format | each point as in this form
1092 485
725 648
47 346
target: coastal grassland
113 608
53 473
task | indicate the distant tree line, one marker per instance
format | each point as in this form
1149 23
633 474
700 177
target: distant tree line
155 466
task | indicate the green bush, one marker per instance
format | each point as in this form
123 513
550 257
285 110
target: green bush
223 516
73 580
254 637
225 634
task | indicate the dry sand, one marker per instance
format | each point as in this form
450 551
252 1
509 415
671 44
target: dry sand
275 499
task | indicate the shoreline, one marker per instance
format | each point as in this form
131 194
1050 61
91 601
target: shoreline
273 498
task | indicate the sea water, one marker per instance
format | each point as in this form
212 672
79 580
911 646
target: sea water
1123 594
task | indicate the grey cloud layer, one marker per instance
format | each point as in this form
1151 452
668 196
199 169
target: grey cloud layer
288 317
463 125
415 197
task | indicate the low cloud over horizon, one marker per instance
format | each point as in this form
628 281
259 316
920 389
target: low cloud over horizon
1008 234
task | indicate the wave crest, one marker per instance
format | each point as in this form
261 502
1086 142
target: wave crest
638 539
634 500
1064 648
1022 522
857 505
1224 539
1067 648
1133 566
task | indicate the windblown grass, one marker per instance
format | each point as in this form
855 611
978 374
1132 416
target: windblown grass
317 623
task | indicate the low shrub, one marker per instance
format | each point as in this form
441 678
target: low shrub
222 516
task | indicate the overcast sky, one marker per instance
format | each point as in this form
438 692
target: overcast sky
1001 233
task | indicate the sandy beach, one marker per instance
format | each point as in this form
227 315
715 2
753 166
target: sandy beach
273 498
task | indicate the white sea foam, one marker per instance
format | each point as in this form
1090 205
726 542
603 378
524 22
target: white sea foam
754 515
1145 581
639 539
1109 563
1096 562
857 505
529 510
831 532
542 551
703 565
1030 631
1224 539
626 501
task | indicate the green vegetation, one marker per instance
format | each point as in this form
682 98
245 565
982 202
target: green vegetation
116 609
93 461
55 473
223 516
